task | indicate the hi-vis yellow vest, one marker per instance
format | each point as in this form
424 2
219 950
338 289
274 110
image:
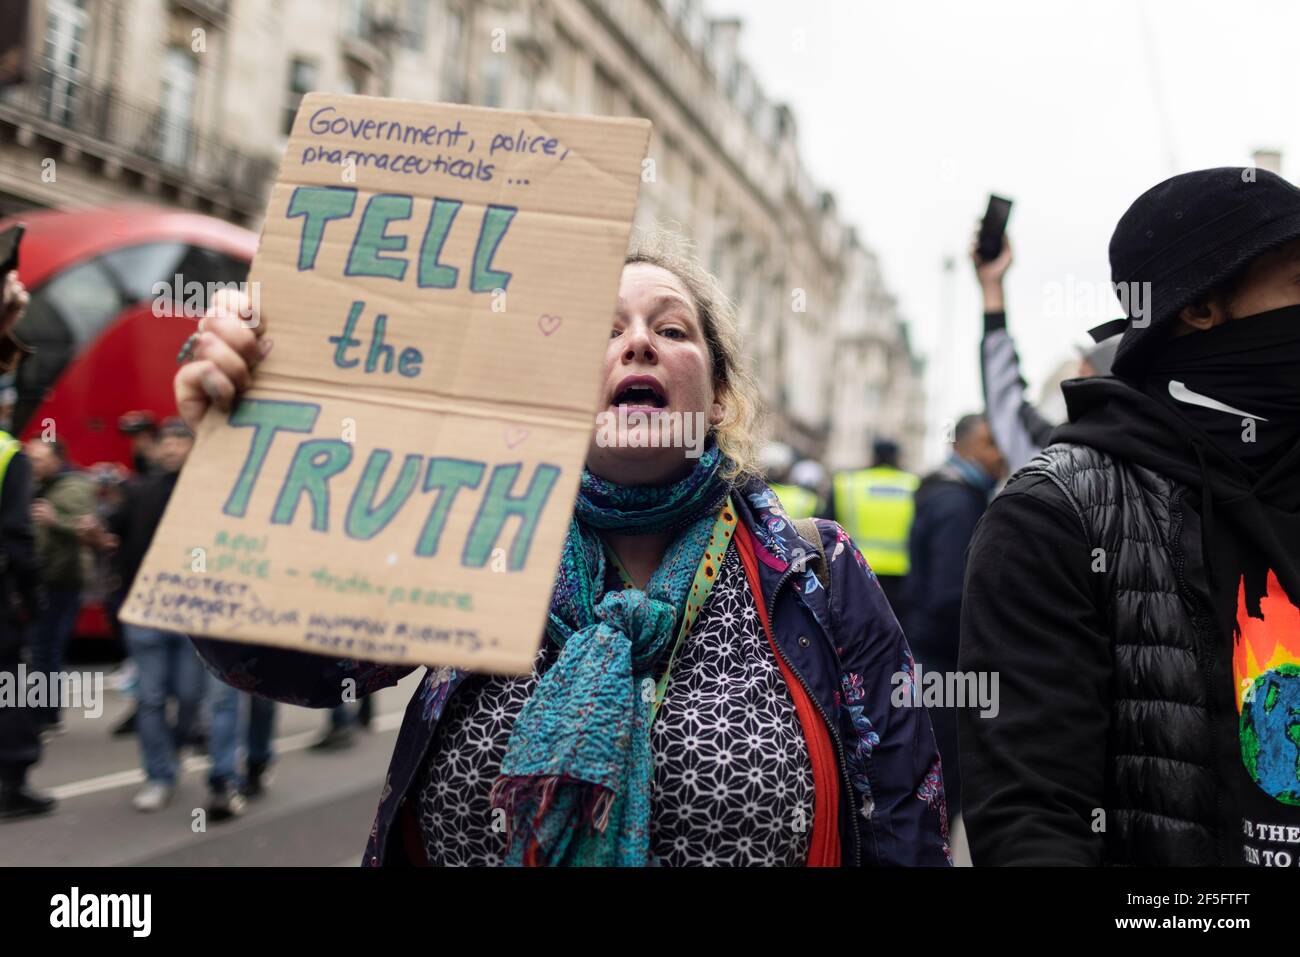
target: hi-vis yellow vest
797 501
875 506
9 447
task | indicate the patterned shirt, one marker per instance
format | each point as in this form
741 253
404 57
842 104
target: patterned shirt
732 782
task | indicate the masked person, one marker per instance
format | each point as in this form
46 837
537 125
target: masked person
1137 585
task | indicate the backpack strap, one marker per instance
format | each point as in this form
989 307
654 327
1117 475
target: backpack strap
807 529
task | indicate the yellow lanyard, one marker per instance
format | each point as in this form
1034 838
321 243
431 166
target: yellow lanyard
706 573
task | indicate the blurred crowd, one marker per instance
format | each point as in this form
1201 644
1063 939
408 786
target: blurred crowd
73 539
91 528
1131 575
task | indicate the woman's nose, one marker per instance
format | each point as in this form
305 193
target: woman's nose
639 346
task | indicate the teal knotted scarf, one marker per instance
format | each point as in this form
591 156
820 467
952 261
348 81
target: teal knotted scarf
576 778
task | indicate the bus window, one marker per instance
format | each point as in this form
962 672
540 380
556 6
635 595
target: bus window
176 266
62 316
70 311
137 268
85 298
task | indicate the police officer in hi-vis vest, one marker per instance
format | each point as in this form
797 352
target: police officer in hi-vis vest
875 507
20 741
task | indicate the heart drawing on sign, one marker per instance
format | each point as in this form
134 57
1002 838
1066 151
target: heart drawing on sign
548 323
514 435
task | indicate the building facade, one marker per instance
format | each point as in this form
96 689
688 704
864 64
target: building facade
188 102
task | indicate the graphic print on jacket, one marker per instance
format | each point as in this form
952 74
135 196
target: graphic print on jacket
1266 672
733 782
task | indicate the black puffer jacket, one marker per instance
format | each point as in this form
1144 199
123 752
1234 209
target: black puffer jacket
1086 591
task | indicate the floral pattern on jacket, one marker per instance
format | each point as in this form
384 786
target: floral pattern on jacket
843 644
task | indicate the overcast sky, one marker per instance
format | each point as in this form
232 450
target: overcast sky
911 113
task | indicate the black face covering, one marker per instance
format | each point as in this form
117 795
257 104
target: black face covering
1245 369
1248 500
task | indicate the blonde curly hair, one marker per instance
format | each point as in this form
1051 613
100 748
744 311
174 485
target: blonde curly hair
739 433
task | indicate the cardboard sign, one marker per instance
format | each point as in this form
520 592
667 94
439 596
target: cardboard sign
440 282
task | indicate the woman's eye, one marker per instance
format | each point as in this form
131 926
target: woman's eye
674 333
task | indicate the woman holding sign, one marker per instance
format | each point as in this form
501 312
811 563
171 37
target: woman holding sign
716 686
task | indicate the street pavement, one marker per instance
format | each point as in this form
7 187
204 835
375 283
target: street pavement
317 810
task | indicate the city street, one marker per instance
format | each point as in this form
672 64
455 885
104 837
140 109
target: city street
317 810
836 435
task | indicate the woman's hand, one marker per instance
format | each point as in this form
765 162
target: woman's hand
230 345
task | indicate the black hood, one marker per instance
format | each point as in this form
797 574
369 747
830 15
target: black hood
1250 519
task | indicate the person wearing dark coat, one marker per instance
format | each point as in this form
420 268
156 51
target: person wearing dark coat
168 668
1137 585
20 590
20 603
949 503
859 778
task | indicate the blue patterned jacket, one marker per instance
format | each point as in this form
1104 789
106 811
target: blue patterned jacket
849 656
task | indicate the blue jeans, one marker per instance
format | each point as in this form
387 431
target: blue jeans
169 667
49 641
223 734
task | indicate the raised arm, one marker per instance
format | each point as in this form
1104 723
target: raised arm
1018 428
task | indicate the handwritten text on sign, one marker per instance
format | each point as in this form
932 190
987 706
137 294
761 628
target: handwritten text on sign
439 281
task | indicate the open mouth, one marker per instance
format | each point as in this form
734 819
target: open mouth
640 392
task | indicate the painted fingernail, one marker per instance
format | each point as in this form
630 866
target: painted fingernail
265 346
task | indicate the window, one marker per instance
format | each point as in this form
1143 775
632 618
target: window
494 69
566 62
138 268
356 19
64 50
453 57
606 93
355 79
302 79
175 120
526 97
416 18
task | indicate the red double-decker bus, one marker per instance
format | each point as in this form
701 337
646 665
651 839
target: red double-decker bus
101 347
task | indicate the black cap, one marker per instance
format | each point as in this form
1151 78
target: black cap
137 421
1187 236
